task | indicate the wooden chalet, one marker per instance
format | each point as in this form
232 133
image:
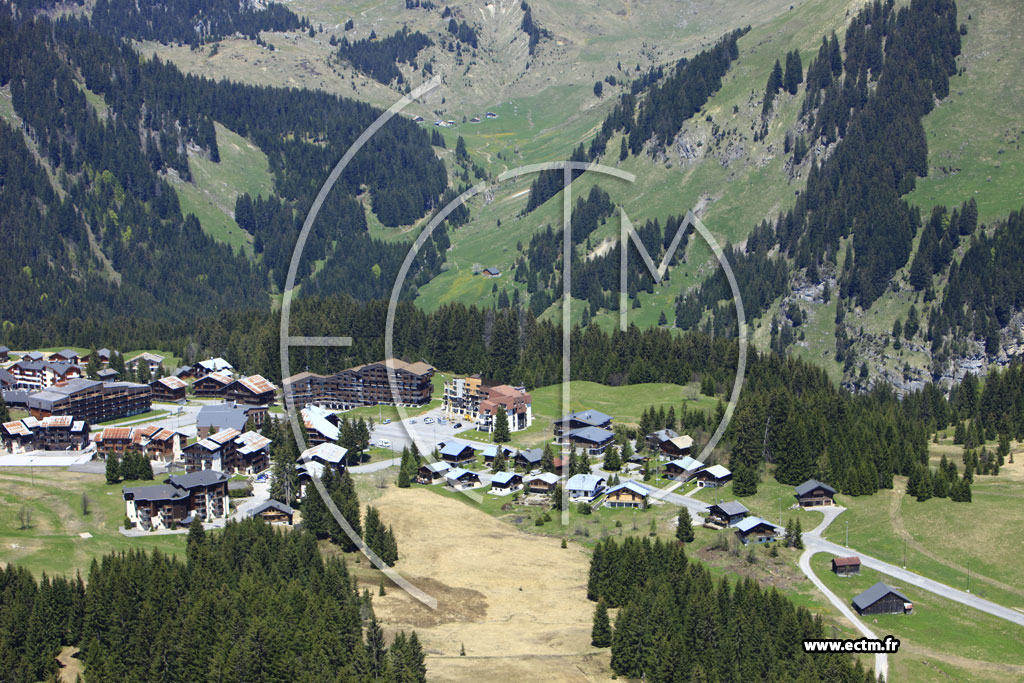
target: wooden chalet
756 530
491 452
528 460
545 482
726 513
457 452
628 494
882 599
812 493
669 443
459 479
846 566
682 469
253 390
169 389
273 512
713 477
432 472
505 482
211 385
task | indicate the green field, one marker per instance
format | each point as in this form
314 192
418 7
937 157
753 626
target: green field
211 197
624 403
54 497
141 417
939 630
942 537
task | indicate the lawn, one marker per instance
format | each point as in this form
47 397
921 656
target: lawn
54 498
141 417
766 502
624 403
940 537
942 628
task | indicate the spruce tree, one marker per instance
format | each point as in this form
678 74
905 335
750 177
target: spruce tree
684 530
314 512
601 633
744 480
798 536
5 414
547 458
501 434
612 463
113 469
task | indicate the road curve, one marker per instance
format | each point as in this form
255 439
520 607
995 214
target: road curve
881 659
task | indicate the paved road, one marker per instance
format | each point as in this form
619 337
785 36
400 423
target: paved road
881 659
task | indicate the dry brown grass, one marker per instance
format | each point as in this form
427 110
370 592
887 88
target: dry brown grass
517 602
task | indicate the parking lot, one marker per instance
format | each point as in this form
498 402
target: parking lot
426 434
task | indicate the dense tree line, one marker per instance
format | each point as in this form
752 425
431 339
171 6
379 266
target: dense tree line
676 623
111 237
379 58
192 22
463 32
248 603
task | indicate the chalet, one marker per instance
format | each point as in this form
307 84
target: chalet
670 444
273 512
201 495
490 271
712 477
628 494
545 482
34 375
579 420
812 493
152 361
210 365
584 487
114 441
170 389
475 119
756 530
252 453
217 416
65 356
594 440
107 374
33 356
726 514
682 469
5 353
530 459
846 566
457 452
55 433
417 119
506 482
322 425
324 455
431 472
163 445
103 356
206 454
459 479
882 599
7 381
185 372
253 390
211 385
491 115
561 463
491 452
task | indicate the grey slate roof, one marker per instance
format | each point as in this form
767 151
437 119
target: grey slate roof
876 593
591 434
590 417
223 416
155 492
732 507
271 505
532 456
200 478
811 484
748 523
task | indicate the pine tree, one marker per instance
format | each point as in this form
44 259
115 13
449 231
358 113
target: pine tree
113 469
684 531
501 431
601 633
314 512
798 536
547 458
5 414
344 495
612 463
744 480
376 648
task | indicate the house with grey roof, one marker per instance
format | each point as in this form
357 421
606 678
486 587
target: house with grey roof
529 459
584 487
882 599
431 472
457 452
545 482
593 440
812 493
506 482
202 495
756 530
273 512
459 479
713 477
728 513
628 494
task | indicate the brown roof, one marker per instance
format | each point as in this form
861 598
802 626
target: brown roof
172 382
119 433
846 561
218 377
224 435
17 427
257 384
57 421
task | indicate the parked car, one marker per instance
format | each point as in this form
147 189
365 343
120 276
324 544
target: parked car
428 420
413 421
387 421
457 425
384 443
442 421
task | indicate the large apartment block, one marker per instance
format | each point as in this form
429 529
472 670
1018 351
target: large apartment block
91 400
185 496
472 399
363 385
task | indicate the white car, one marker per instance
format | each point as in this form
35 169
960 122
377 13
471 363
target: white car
384 443
428 420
